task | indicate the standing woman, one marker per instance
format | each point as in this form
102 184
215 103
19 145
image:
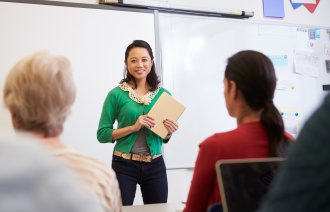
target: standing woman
137 155
249 86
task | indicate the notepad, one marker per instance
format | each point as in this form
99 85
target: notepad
273 8
166 107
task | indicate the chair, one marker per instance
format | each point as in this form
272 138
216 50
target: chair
244 182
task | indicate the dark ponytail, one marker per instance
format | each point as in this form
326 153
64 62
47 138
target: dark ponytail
254 74
272 121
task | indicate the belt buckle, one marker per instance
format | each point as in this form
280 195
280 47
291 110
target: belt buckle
146 158
141 157
135 157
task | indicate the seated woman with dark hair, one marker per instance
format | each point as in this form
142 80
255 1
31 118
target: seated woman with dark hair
249 85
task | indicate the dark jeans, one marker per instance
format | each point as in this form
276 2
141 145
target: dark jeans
151 176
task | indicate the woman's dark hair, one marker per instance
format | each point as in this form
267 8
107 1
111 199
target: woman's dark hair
254 75
152 78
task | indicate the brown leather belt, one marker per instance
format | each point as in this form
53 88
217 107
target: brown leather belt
136 157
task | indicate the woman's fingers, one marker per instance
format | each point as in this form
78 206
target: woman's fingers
148 121
171 125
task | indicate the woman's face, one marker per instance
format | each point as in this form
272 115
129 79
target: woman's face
139 63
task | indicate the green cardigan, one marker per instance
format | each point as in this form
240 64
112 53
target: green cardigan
118 106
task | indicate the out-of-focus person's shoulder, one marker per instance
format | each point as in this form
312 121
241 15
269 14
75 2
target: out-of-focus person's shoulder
31 180
71 155
327 100
98 177
315 132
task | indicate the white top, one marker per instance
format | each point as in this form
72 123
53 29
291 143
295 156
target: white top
32 181
96 176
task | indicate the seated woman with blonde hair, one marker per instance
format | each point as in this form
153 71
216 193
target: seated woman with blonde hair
39 92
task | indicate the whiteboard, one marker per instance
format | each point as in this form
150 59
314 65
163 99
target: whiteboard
194 54
94 40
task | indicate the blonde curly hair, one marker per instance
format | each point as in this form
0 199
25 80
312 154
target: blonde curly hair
39 92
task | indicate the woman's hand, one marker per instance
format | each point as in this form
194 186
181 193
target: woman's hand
144 121
171 126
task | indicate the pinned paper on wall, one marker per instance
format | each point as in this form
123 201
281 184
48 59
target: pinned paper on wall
303 39
306 63
279 60
312 34
311 7
274 9
291 118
